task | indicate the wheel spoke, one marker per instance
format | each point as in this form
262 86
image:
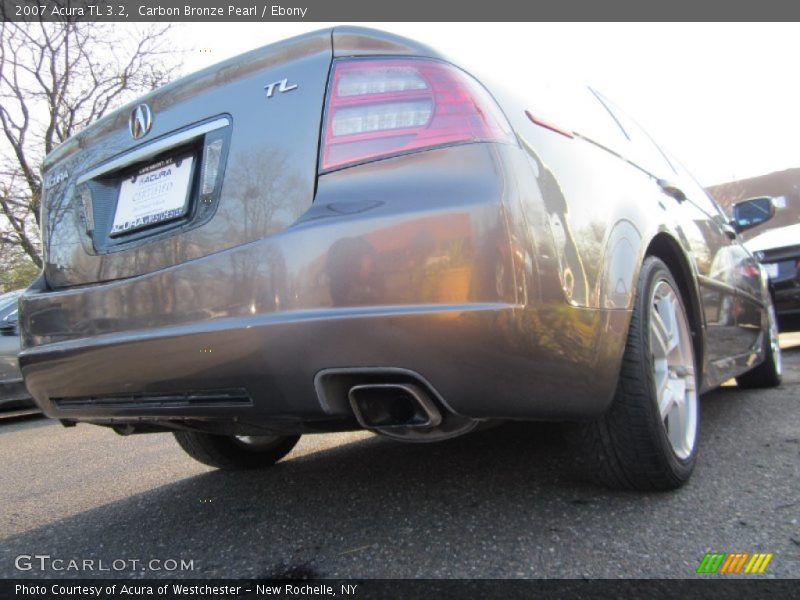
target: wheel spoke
774 341
677 418
661 371
665 398
670 311
673 368
689 379
660 334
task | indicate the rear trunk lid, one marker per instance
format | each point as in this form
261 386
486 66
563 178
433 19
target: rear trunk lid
217 159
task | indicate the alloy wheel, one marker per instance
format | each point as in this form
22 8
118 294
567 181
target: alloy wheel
674 368
774 342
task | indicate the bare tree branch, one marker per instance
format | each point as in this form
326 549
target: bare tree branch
55 79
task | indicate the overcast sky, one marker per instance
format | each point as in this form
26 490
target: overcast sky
723 98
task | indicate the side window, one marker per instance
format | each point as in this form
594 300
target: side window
644 151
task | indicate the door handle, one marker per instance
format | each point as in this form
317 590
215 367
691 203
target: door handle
671 189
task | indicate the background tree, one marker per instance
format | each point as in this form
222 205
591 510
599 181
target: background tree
55 79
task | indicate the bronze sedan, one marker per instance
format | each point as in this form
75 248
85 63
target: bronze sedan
344 230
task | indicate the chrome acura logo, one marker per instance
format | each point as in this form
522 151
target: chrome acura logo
140 122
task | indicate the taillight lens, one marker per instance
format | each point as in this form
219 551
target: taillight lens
384 107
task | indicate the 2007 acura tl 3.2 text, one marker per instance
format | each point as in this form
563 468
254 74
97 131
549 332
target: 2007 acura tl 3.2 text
356 233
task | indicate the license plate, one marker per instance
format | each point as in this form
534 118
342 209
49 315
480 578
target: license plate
155 194
771 269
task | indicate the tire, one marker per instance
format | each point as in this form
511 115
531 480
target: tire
235 452
768 373
647 440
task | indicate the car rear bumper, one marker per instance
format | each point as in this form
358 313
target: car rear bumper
395 266
262 369
786 293
785 285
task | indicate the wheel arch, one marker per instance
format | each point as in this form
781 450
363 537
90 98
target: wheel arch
666 248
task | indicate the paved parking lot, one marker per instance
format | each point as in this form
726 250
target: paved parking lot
500 503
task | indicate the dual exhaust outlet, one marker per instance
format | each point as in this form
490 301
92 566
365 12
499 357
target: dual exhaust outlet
390 405
391 401
405 411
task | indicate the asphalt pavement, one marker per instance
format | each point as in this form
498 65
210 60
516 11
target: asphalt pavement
502 503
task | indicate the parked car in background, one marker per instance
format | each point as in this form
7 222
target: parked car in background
344 230
779 251
13 394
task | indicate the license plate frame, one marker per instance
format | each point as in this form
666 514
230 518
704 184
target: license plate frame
155 194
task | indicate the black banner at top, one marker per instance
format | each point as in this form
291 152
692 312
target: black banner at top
405 10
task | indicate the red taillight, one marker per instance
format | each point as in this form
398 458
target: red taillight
384 107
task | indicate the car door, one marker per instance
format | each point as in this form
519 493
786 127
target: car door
737 267
708 238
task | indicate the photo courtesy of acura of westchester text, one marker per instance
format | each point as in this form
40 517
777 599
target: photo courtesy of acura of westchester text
360 303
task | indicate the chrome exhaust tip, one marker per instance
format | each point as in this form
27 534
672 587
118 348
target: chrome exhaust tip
382 406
